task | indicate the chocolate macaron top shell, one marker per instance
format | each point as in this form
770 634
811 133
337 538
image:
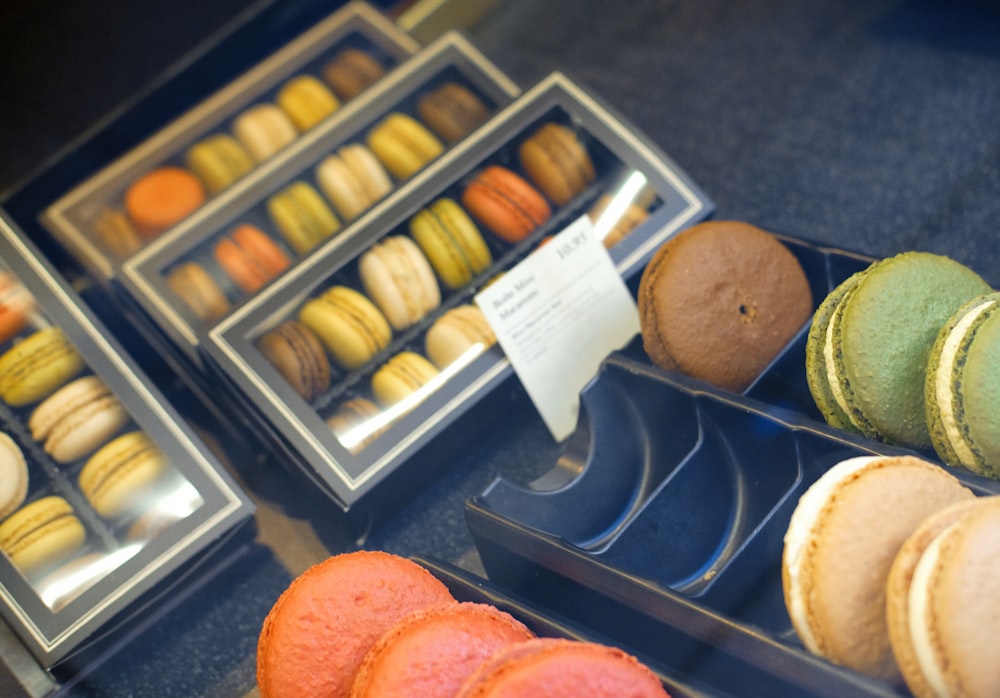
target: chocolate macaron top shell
720 300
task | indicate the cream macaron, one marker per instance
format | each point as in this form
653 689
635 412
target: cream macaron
840 543
77 418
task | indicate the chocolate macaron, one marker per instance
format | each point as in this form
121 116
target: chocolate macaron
298 355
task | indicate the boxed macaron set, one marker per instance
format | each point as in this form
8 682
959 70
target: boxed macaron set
201 154
369 350
105 494
773 536
316 193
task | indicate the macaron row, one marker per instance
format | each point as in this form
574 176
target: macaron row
306 212
162 197
905 351
412 632
891 567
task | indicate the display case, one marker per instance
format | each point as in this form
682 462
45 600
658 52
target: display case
211 147
666 511
392 388
109 498
333 169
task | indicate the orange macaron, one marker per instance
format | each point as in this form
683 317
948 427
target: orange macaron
162 198
506 203
321 627
250 257
433 651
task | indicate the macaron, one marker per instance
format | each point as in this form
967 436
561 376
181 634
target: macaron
352 72
451 242
16 306
316 635
349 325
298 355
162 198
306 101
878 338
452 111
13 475
41 534
614 220
35 366
403 144
460 333
962 388
356 423
397 276
77 418
720 300
218 161
193 285
116 235
250 257
556 160
547 666
264 129
401 377
121 476
942 599
352 179
505 203
432 651
302 217
840 544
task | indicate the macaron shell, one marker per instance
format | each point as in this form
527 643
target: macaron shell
352 423
817 366
77 418
161 198
452 111
13 476
630 218
401 376
349 325
193 285
888 326
505 203
962 605
41 534
461 329
557 162
855 538
301 215
317 633
432 652
307 101
250 257
298 355
263 130
122 474
116 234
403 145
37 365
352 180
451 242
16 306
898 589
398 278
559 667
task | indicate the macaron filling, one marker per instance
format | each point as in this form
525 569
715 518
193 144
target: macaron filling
943 383
920 620
800 533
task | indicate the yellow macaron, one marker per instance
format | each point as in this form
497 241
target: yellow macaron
403 144
451 241
307 101
218 161
41 533
400 377
122 475
348 324
302 217
36 366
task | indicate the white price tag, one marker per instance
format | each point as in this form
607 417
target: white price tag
557 315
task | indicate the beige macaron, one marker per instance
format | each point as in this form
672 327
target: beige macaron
943 602
840 543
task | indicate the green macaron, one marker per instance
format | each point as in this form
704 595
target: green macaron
962 388
881 336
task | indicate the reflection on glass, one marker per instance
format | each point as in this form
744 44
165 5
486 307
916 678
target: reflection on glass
621 211
72 579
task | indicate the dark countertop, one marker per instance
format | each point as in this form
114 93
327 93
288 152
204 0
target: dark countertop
868 125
